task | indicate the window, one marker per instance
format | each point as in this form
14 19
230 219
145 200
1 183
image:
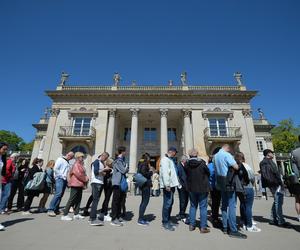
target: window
127 134
172 134
218 127
81 126
260 145
150 134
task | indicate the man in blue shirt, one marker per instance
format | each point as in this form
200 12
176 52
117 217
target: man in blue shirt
223 160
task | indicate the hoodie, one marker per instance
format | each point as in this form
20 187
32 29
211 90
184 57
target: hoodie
197 174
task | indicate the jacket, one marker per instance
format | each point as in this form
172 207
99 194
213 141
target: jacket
269 163
77 176
168 175
144 169
97 168
197 174
119 169
181 175
9 173
61 168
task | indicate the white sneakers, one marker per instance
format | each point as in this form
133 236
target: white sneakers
78 217
26 213
253 229
107 218
66 218
2 227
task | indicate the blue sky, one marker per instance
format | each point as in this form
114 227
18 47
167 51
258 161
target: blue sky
150 42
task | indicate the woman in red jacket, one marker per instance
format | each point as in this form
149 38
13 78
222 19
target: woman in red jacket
77 181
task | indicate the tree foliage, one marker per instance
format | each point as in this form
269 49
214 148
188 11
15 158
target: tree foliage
15 142
285 136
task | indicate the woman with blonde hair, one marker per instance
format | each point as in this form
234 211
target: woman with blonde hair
49 183
77 181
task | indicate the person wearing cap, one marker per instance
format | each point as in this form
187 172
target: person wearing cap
272 178
7 179
77 182
168 182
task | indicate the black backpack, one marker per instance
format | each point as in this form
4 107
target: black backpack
268 177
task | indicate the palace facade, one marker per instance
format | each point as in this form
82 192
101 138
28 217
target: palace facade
149 119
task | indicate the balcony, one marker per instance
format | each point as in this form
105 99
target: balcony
230 134
70 133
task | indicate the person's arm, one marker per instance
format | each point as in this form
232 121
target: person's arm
164 173
231 162
9 168
120 167
79 173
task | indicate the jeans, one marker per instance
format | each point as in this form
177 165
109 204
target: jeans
5 195
201 199
276 211
117 202
183 201
246 205
168 200
229 210
17 185
88 203
74 200
107 194
96 193
144 202
60 187
215 203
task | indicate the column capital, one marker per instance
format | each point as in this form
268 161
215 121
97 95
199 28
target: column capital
134 112
163 112
112 113
186 112
247 113
54 112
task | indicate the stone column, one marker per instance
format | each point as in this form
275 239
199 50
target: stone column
188 140
163 131
110 132
133 140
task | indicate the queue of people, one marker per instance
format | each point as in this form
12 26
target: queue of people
225 178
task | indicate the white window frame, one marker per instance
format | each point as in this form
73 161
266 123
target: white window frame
264 144
81 126
218 128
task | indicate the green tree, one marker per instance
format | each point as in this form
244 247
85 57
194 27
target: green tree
12 139
285 136
26 146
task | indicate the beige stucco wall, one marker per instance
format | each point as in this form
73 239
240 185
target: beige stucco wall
199 124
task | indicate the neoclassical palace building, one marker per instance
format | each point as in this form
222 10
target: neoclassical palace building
150 118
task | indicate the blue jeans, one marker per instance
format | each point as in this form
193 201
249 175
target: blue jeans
144 202
246 207
5 195
168 200
229 210
60 187
276 211
201 199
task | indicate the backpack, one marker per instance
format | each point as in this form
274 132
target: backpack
37 183
290 176
268 178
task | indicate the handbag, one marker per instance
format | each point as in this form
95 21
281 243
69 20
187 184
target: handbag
124 184
139 179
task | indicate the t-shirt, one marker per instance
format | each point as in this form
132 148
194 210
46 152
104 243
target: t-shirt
223 160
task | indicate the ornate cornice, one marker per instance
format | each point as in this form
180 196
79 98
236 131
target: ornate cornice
84 111
217 111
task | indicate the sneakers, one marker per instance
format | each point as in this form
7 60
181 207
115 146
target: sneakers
51 213
2 228
96 222
78 217
204 230
253 229
66 218
85 213
42 210
192 228
168 227
107 218
122 220
116 223
143 223
237 235
26 213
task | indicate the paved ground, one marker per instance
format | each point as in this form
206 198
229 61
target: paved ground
39 231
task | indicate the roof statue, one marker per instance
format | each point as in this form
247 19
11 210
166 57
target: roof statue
183 78
64 78
170 82
239 78
117 79
261 114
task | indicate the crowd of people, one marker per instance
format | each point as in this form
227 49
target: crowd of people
225 178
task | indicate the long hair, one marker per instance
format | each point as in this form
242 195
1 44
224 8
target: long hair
36 161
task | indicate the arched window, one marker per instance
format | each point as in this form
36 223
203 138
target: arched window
79 149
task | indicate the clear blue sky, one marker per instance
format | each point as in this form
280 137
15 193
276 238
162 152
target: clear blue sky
148 41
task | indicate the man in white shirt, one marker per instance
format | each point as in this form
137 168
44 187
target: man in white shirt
61 169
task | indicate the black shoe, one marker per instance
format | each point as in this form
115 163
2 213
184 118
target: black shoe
237 235
192 228
273 223
85 213
225 231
